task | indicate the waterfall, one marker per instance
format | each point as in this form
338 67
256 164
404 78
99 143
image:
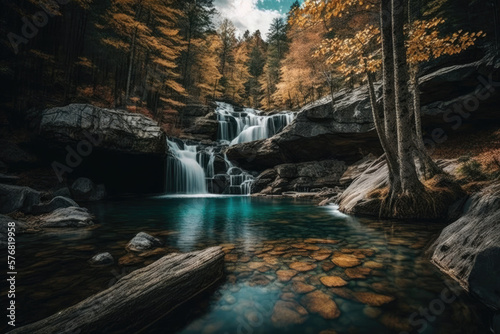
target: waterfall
199 169
188 177
246 125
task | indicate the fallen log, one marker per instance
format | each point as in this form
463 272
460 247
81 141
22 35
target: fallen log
140 298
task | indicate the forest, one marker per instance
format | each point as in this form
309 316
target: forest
250 166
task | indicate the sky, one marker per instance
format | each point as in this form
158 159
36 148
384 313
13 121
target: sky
252 15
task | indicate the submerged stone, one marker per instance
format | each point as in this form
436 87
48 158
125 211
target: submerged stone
357 272
300 287
287 313
345 260
373 299
286 275
302 266
320 303
333 281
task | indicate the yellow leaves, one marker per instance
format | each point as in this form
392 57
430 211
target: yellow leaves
425 41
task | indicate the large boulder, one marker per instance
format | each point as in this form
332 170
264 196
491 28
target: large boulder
124 150
84 189
16 198
469 249
344 129
199 122
66 217
54 204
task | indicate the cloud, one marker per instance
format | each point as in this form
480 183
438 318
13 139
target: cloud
246 15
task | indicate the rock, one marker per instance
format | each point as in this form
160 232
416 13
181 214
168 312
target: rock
259 280
358 272
321 241
64 192
14 156
373 299
143 242
373 265
8 179
287 313
300 177
102 259
358 198
345 260
181 277
300 287
56 203
15 198
320 303
333 281
321 255
231 258
104 141
66 217
468 250
84 189
372 312
327 266
356 169
285 275
302 266
344 130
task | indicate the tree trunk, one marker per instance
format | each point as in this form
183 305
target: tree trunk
429 167
139 299
389 109
410 184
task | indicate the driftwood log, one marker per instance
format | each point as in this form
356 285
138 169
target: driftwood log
140 298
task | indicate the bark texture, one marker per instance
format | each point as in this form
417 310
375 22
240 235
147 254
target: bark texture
140 298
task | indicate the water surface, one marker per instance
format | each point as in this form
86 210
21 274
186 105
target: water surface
389 278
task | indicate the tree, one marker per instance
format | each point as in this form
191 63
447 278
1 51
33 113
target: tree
205 69
396 117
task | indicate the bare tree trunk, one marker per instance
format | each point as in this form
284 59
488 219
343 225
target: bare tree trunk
389 107
430 168
410 184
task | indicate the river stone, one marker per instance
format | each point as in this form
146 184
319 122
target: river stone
320 303
56 203
321 241
66 217
302 266
287 296
142 242
333 281
373 265
321 255
345 260
372 312
16 198
357 272
285 275
373 299
327 266
259 280
231 258
300 287
84 189
287 313
102 259
306 247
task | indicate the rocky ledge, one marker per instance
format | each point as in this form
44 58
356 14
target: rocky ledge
344 130
125 151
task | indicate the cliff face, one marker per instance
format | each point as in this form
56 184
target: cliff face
454 99
125 151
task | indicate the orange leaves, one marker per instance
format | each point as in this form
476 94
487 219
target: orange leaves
425 41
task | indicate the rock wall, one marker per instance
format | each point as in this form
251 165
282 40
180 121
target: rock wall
198 122
123 150
453 99
469 249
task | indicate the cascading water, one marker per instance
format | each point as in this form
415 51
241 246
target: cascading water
237 127
191 169
188 177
